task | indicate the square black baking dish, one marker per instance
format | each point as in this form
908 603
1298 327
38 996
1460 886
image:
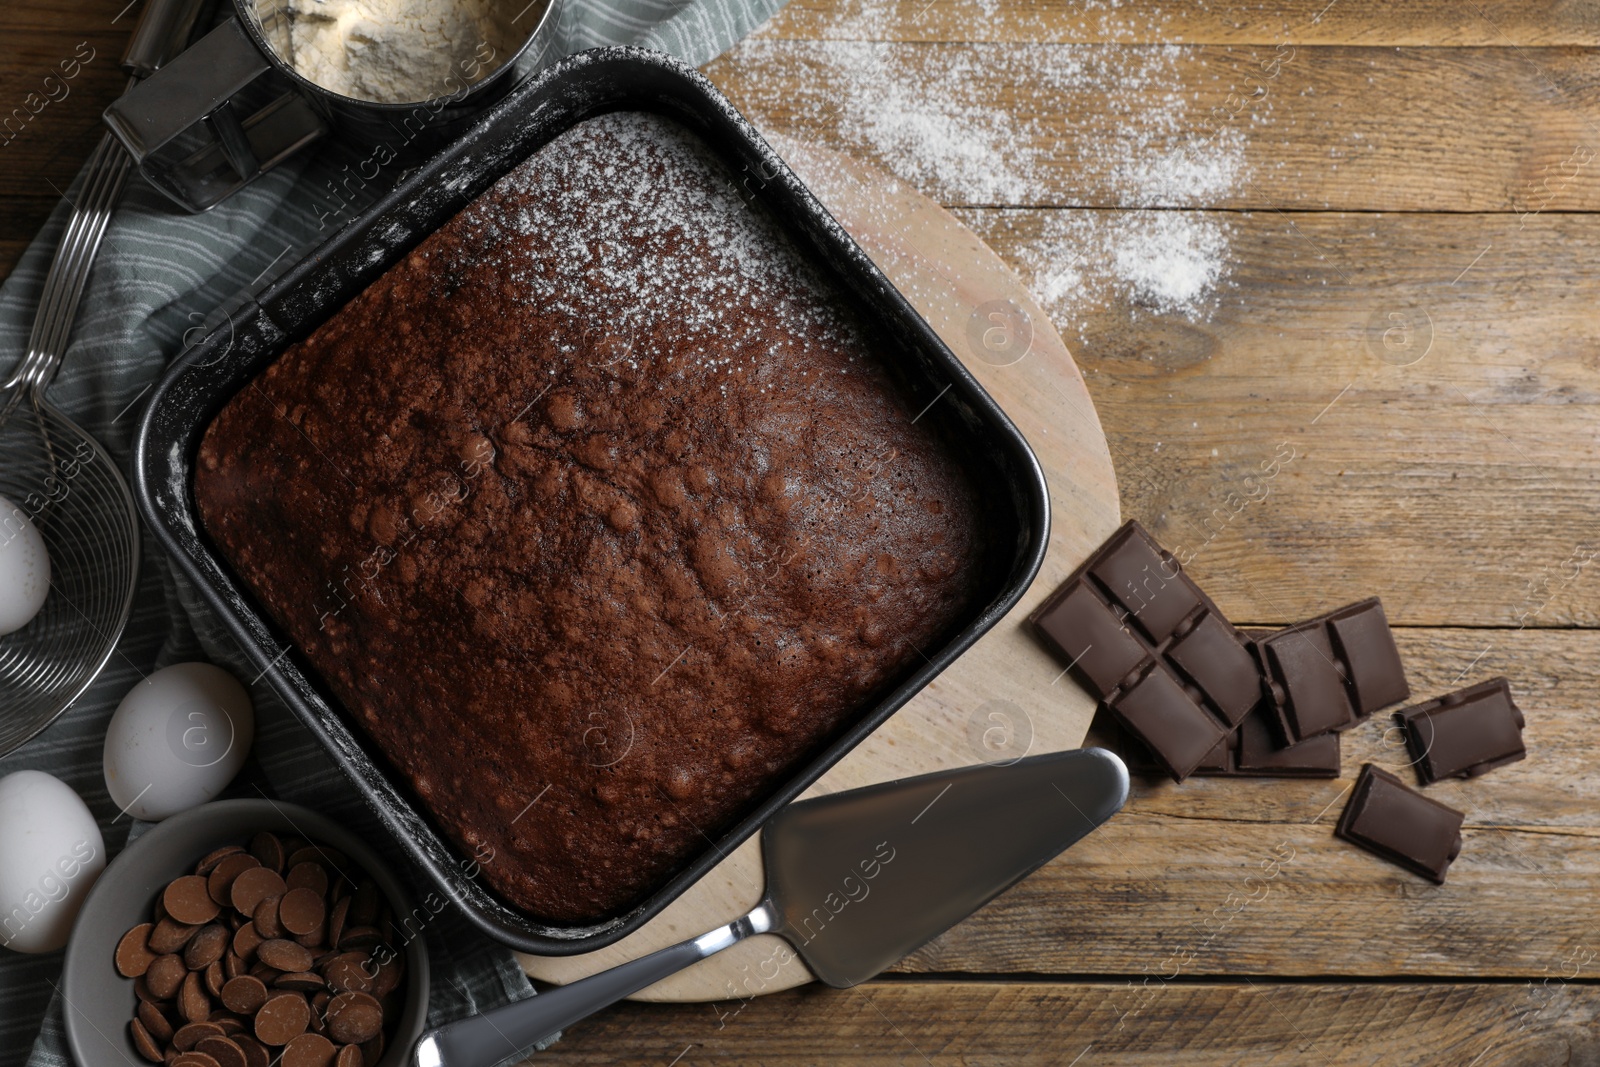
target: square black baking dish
201 381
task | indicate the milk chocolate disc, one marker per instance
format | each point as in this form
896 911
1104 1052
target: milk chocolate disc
188 901
206 947
223 1050
186 1038
193 1003
165 976
219 883
255 885
310 1050
194 1059
312 876
354 1018
155 1022
216 856
284 955
170 935
266 918
301 910
268 851
282 1018
244 994
143 1042
133 951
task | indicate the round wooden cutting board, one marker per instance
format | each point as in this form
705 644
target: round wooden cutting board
1006 696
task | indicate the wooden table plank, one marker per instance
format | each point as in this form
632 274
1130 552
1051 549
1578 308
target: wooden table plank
1436 23
1231 877
1034 1024
1386 129
1459 486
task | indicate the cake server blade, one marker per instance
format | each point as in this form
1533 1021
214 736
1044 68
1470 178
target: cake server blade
855 881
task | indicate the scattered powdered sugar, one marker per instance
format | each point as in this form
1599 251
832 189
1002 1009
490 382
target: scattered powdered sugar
628 230
982 125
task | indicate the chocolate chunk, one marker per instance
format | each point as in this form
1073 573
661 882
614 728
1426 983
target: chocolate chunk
1464 734
1390 820
133 951
282 1018
188 901
1329 673
349 1056
354 1017
1148 642
1250 751
1258 754
1178 732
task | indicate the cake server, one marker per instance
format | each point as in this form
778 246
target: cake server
855 881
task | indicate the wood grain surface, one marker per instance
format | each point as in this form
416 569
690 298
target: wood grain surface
1401 162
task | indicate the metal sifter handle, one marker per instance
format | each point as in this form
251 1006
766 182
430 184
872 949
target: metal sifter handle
163 31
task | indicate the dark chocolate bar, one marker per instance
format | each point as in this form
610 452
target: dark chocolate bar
1250 751
1465 733
1143 638
1331 672
1399 824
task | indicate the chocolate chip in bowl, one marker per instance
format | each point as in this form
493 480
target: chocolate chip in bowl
144 985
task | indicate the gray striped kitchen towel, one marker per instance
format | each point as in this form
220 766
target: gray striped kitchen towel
160 274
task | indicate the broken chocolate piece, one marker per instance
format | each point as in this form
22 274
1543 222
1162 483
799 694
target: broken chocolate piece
1251 751
1148 642
1399 824
1329 673
1465 733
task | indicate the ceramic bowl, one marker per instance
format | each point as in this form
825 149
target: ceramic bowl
100 1002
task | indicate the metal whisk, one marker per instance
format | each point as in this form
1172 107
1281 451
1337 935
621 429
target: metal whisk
54 473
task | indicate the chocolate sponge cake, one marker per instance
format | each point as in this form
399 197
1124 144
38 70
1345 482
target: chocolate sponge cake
597 512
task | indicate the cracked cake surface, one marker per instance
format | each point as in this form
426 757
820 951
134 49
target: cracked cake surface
597 512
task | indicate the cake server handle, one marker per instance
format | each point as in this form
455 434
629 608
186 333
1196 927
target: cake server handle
508 1031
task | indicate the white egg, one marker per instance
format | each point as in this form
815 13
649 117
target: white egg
24 569
50 854
177 739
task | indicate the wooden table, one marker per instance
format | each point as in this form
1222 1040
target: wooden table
1424 159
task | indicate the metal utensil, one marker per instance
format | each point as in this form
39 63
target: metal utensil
53 473
855 881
